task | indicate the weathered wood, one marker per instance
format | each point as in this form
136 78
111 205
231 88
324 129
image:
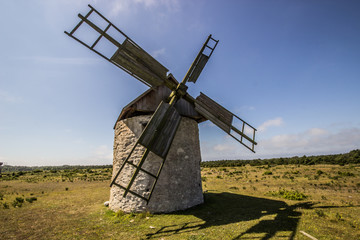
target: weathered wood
148 102
194 75
161 129
167 133
145 58
214 111
308 235
124 59
209 115
223 118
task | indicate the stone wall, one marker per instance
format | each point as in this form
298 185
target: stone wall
179 185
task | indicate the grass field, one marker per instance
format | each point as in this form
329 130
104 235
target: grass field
246 202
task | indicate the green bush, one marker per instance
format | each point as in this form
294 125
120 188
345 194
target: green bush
346 174
268 172
31 199
291 195
120 213
320 212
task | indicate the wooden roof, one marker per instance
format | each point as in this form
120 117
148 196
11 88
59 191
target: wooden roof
147 102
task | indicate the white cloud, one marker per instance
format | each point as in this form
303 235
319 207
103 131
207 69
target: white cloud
313 141
224 147
102 152
310 142
7 97
270 123
158 52
58 60
118 7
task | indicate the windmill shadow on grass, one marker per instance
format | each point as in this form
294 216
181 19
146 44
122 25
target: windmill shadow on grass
227 208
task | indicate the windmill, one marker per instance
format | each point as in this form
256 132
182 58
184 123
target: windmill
159 132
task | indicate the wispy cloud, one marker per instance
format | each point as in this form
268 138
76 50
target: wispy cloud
10 98
118 7
59 60
315 140
310 142
158 52
224 147
270 123
102 153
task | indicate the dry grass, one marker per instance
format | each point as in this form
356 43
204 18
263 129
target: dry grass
240 204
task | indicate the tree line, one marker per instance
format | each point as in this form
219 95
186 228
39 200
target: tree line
9 168
352 157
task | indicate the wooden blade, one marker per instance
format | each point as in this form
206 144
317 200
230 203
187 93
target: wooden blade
139 63
127 55
160 131
223 118
200 61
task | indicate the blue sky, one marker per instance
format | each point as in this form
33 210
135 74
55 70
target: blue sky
289 68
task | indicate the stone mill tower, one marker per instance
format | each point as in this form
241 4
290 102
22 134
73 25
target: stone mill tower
179 185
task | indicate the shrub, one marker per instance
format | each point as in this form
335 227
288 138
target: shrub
291 195
203 179
31 199
338 217
346 174
234 188
5 205
268 172
120 213
320 212
17 202
145 214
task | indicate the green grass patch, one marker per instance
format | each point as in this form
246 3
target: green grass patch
288 194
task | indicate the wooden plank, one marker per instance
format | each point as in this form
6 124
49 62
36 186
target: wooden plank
149 132
198 68
167 133
218 112
160 131
199 107
125 60
308 235
145 58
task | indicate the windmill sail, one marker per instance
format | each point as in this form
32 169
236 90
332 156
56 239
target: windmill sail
223 118
139 63
157 138
128 56
160 131
201 59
